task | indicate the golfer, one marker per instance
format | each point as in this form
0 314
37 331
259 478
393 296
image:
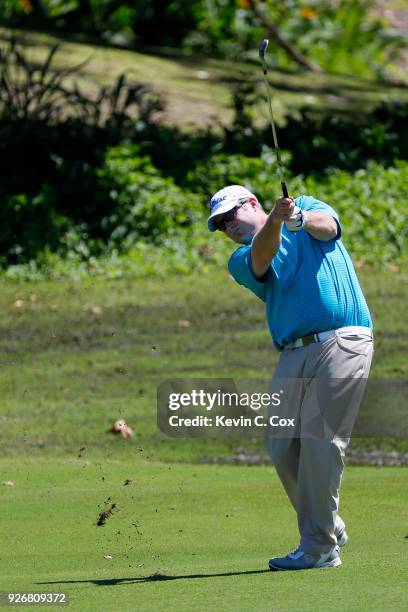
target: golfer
294 260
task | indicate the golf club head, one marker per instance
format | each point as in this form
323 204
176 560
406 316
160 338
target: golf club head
262 48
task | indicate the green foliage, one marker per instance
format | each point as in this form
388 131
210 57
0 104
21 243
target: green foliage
38 93
213 32
319 141
371 202
27 223
11 11
180 253
372 207
144 204
150 236
258 174
343 36
55 9
114 190
52 139
156 22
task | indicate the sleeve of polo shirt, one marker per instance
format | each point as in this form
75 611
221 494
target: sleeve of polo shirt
310 203
240 267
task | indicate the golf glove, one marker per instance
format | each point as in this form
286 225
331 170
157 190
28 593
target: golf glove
297 220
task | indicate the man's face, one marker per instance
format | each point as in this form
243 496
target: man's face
244 224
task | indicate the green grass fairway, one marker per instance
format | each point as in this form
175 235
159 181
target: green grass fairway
193 538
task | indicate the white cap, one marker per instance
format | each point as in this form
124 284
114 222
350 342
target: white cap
225 199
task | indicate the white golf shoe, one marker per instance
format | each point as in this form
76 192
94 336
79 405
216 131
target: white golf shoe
300 560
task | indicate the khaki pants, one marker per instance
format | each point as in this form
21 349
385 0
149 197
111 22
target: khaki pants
310 467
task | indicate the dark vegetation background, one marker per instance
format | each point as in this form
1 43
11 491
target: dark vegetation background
87 176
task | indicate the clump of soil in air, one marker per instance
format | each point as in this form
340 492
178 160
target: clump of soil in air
105 514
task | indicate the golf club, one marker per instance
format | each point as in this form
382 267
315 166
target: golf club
262 50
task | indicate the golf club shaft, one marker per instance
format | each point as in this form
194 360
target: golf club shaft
262 51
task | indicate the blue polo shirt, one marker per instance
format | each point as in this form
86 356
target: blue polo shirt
311 285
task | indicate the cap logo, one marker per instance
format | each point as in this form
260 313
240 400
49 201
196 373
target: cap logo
217 201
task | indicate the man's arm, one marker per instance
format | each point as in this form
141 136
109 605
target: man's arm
267 240
320 225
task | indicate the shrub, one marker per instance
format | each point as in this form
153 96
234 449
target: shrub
258 174
144 204
27 224
344 36
52 139
371 202
372 207
322 140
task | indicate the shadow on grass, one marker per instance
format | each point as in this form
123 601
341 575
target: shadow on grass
152 578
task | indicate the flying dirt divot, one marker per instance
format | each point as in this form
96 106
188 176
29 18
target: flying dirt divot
105 514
